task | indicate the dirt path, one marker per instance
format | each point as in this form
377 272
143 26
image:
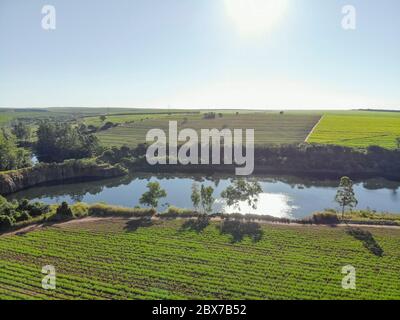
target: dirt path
313 129
37 226
217 219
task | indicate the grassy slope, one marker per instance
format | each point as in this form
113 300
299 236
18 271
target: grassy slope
358 129
270 128
109 259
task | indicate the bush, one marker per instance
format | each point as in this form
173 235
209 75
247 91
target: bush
64 211
173 212
22 216
107 126
80 210
34 209
6 222
103 210
324 218
209 115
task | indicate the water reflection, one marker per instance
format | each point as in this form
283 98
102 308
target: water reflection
278 205
282 196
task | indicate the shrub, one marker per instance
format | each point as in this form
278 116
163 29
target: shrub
64 210
34 209
22 216
209 115
6 222
108 125
325 218
173 212
80 209
2 201
103 210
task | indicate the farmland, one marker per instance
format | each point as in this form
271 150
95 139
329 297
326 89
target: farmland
270 127
358 129
125 259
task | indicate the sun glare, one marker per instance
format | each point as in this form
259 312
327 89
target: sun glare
255 17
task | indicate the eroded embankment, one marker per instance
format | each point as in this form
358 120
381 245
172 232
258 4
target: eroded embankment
16 180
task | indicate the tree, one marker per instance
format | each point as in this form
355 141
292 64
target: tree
207 199
209 115
151 197
60 141
64 210
398 143
241 190
196 196
345 195
103 118
12 157
21 130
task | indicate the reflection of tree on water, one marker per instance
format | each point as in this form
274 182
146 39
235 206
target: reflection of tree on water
76 190
376 184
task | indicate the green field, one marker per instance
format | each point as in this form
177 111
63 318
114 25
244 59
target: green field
270 127
358 129
116 259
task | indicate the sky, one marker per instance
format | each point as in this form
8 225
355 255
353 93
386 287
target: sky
255 54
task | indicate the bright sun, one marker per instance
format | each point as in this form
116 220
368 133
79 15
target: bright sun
255 17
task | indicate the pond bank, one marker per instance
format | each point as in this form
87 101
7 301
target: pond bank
16 180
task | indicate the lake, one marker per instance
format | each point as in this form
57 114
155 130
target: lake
282 196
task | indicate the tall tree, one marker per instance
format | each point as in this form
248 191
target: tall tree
151 197
21 130
195 196
12 157
345 195
207 199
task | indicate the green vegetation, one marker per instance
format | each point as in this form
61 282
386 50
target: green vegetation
270 127
160 259
59 141
358 129
12 213
152 196
12 157
206 198
21 130
345 196
195 196
104 210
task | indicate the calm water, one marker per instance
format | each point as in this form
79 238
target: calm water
282 197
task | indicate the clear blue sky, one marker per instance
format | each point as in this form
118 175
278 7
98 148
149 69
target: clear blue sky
200 53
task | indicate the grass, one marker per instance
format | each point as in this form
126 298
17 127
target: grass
270 127
112 259
358 129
